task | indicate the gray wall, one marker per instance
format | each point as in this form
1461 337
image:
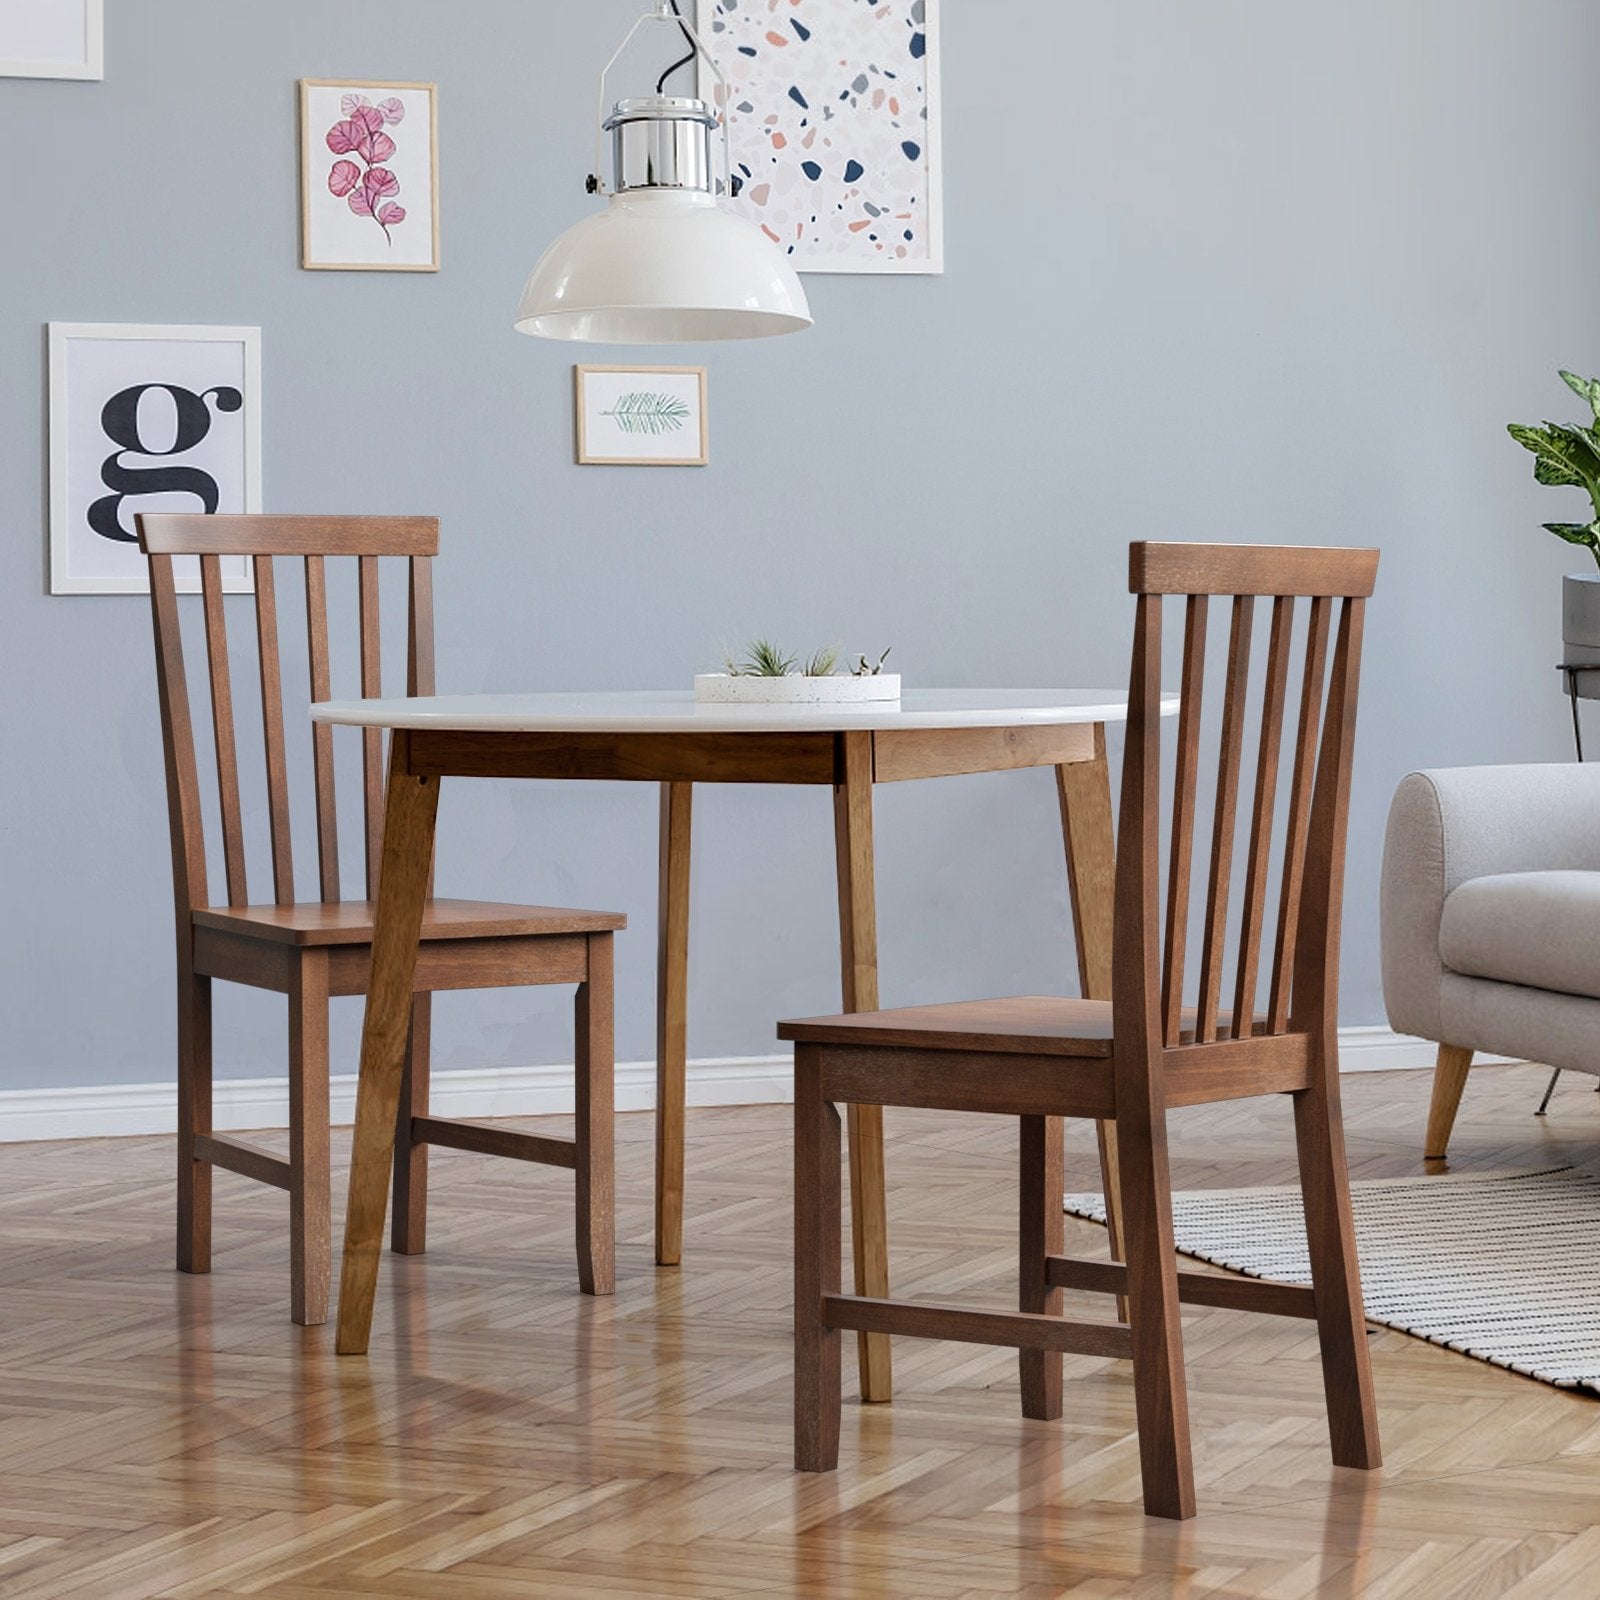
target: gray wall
1241 269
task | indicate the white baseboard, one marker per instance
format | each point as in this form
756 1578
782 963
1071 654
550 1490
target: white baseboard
120 1110
1384 1050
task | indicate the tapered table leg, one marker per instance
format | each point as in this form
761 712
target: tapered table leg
672 1018
1085 791
402 889
858 957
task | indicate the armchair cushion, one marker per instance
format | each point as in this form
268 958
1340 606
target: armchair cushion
1450 826
1539 929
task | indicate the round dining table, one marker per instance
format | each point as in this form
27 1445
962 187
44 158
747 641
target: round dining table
670 739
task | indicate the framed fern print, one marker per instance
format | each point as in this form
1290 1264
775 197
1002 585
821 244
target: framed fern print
640 416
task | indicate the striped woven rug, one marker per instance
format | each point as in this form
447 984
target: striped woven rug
1504 1266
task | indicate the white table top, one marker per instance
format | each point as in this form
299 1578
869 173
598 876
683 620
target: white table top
676 711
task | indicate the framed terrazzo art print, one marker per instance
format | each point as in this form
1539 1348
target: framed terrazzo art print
640 416
833 122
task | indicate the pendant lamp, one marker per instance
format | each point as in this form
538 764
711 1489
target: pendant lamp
668 261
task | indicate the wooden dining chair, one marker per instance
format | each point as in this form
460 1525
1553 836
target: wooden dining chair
1129 1060
309 951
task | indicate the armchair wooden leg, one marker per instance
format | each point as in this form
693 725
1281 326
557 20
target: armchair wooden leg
408 1227
595 1128
1335 1273
310 1224
818 1268
194 1118
1449 1079
1041 1233
1161 1397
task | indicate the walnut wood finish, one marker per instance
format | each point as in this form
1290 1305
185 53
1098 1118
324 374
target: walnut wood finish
673 758
858 962
905 753
309 952
1042 1058
1084 790
672 1016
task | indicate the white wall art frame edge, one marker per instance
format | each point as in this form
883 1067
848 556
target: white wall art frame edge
238 581
91 67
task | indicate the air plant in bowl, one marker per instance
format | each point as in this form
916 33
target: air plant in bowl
765 673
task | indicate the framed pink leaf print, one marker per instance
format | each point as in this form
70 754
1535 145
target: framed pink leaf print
369 186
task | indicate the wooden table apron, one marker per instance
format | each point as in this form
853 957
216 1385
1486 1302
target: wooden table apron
850 763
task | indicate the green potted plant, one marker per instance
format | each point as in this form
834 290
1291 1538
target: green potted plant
766 674
1567 455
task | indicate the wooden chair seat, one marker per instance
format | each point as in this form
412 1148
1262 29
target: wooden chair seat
350 921
1041 1025
1030 1055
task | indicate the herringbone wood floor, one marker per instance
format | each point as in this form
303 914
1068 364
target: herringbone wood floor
163 1435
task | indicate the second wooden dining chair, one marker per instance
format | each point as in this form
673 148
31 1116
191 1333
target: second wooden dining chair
1131 1059
309 951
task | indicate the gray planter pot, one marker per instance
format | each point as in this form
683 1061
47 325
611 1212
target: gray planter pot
1580 617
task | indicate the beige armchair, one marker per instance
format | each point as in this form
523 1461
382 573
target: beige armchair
1491 920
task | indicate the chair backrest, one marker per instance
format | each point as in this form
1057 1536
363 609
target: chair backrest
164 537
1302 951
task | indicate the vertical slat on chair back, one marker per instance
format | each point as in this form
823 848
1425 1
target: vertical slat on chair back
164 537
1302 975
371 738
272 730
321 732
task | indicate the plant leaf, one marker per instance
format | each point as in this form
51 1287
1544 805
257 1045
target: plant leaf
763 659
649 411
1584 533
1570 455
1585 389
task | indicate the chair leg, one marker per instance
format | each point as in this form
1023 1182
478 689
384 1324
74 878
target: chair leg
1161 1396
818 1267
1042 1233
194 1118
310 1224
408 1227
1449 1079
1335 1274
1111 1188
595 1100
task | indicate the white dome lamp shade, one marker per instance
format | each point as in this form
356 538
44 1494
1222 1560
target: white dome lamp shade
667 261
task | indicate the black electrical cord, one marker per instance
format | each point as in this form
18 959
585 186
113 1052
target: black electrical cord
683 61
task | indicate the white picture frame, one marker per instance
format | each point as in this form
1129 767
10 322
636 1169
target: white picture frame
355 178
52 39
117 389
633 416
825 223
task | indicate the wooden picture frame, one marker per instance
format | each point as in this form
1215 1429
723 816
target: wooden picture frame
48 20
105 466
646 425
345 221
